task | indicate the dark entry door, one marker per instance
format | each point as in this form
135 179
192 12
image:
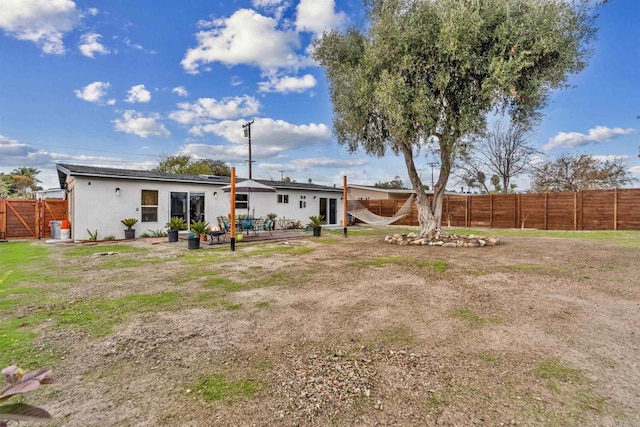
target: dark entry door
333 209
323 207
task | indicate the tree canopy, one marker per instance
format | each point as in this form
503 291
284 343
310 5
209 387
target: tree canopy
428 72
186 164
20 182
396 184
580 172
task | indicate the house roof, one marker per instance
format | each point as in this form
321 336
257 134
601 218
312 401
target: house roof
65 170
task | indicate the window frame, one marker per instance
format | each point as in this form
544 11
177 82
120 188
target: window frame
153 209
283 199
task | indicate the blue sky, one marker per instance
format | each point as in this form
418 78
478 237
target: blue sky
122 83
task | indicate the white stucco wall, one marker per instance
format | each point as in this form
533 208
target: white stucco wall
94 204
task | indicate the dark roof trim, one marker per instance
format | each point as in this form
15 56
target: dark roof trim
65 170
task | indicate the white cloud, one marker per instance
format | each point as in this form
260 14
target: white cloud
14 153
141 125
576 139
93 92
288 84
276 7
269 137
180 91
43 22
246 37
267 3
138 93
205 110
611 157
93 11
90 45
316 16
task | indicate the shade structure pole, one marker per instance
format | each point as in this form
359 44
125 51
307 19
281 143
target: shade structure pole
247 133
232 220
344 205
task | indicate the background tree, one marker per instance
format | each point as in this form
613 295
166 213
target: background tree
186 164
580 172
20 182
395 183
428 72
6 184
503 151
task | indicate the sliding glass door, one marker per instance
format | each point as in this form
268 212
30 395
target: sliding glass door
188 206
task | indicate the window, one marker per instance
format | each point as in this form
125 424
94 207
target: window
303 202
283 198
188 206
242 201
196 207
149 204
179 205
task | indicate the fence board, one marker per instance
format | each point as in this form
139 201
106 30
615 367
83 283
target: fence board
585 210
29 219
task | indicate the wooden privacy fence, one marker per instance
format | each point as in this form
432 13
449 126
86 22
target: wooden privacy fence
29 219
617 209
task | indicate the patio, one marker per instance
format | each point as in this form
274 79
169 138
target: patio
261 236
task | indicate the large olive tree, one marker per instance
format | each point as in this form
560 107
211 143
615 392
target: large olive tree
427 72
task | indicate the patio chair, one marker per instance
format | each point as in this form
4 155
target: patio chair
224 224
267 226
247 225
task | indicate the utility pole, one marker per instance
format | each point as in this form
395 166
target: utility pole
282 175
432 164
247 134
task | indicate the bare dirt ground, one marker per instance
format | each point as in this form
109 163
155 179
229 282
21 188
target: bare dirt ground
534 331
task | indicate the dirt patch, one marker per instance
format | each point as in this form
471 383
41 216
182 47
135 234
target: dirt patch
333 331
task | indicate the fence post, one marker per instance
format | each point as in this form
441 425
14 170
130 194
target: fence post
546 205
515 210
575 211
3 218
615 208
490 210
467 206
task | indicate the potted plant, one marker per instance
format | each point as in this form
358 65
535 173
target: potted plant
198 228
130 232
175 224
316 223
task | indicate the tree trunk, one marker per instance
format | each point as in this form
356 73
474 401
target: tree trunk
429 213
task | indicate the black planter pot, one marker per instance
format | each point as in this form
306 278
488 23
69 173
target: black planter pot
173 235
130 234
317 231
193 242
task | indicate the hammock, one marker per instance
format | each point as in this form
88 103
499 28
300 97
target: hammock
356 209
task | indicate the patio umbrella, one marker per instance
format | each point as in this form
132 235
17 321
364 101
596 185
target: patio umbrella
249 186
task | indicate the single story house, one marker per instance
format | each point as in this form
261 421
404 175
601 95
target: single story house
99 198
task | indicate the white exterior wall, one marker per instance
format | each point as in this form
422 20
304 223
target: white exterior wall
292 209
96 206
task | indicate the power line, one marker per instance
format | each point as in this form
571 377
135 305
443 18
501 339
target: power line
94 149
